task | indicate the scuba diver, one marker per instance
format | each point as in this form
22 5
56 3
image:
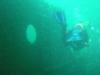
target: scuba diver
77 38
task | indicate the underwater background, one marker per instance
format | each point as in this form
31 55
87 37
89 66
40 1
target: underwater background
31 37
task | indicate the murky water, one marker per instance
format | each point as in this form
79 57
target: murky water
46 53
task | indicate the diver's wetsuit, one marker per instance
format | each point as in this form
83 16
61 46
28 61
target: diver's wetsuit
77 39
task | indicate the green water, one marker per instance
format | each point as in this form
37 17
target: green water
31 38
